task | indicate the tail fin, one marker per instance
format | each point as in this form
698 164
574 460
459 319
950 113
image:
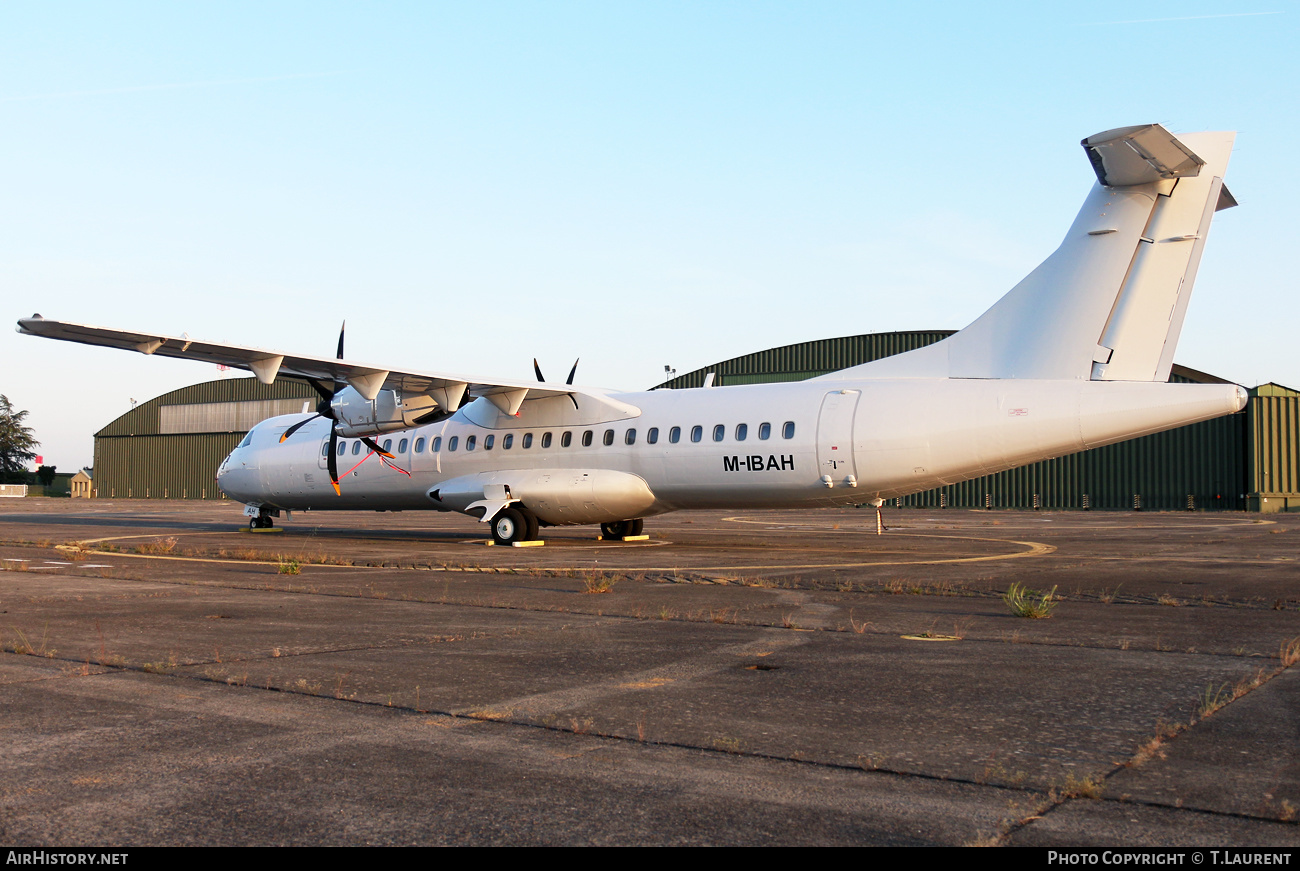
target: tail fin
1108 304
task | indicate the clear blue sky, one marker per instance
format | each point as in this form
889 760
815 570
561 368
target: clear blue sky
471 185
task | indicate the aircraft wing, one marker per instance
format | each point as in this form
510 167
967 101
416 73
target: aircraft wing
444 389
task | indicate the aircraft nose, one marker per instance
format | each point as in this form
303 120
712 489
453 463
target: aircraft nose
235 477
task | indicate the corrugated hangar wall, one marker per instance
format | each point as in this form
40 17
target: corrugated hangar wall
1247 461
170 447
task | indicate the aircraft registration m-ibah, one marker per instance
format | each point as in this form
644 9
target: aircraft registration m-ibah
1076 355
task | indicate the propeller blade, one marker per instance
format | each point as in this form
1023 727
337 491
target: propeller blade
573 371
538 370
326 394
332 460
297 426
341 329
370 443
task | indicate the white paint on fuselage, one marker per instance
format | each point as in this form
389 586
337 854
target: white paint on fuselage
907 435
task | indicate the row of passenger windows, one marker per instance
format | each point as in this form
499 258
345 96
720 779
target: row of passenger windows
740 434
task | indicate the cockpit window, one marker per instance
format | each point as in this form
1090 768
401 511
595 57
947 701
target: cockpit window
248 440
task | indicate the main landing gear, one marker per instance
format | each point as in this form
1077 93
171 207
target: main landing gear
261 521
622 528
513 524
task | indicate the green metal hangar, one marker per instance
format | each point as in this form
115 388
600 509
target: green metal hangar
170 447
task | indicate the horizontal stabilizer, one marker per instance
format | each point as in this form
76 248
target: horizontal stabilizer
1139 155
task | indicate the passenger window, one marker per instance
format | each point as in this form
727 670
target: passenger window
508 442
401 446
630 437
470 442
742 430
436 446
388 446
527 441
343 446
566 439
718 432
652 435
697 433
787 431
356 448
764 431
609 437
419 445
489 441
675 434
546 439
325 449
452 442
586 439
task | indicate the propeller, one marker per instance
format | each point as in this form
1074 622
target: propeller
569 380
325 409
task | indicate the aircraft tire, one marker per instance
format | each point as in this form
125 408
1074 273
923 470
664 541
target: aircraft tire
509 526
534 527
620 528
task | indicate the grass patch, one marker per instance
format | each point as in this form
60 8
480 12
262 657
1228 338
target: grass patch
287 565
1079 787
598 582
1289 653
1212 699
1024 602
162 546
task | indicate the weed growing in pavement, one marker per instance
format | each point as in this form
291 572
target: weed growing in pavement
598 582
27 648
1024 602
162 546
1211 699
1289 653
162 666
287 565
1077 787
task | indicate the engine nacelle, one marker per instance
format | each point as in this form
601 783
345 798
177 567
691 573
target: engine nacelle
389 411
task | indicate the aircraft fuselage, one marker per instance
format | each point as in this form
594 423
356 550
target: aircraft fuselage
804 444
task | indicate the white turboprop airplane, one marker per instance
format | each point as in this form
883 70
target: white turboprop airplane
1075 356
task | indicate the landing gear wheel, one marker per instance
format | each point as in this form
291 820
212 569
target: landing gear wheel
534 527
621 528
509 526
261 521
254 523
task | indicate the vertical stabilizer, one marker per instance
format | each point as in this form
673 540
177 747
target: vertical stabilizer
1108 304
1143 328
